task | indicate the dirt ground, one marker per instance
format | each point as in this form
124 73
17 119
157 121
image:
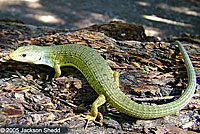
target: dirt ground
162 18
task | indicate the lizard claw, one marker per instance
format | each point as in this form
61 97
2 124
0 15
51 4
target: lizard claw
89 118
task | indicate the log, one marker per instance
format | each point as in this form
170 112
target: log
148 67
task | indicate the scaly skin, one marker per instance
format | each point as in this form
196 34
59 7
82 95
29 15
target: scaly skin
101 77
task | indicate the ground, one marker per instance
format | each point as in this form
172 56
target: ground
28 97
163 18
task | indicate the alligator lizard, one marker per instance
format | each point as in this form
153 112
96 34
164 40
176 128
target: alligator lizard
102 78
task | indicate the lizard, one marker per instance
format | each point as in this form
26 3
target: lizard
103 79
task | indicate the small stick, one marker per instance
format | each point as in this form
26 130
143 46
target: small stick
161 98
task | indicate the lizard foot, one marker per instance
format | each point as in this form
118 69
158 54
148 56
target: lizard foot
89 118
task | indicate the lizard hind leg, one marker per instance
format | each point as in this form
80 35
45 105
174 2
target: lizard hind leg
94 110
116 75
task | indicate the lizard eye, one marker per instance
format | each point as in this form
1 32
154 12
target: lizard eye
23 55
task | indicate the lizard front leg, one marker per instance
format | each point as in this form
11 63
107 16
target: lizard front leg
57 71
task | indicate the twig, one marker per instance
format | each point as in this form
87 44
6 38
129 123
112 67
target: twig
65 119
161 98
25 79
68 103
21 76
21 88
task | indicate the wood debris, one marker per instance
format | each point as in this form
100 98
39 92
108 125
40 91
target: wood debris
44 102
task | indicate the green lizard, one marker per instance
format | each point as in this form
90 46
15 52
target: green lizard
103 79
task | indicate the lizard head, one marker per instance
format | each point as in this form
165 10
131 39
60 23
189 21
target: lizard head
30 54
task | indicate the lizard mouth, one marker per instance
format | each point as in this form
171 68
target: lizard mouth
17 57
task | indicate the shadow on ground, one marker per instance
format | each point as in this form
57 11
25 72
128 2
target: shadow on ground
160 18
